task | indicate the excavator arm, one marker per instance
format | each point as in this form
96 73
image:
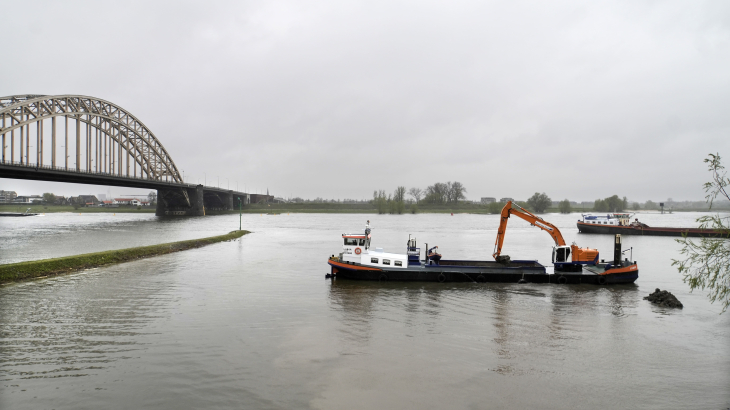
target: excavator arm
514 209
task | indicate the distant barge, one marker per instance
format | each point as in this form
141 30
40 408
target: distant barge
612 224
15 214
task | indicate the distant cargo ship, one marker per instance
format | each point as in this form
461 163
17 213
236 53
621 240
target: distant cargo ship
620 223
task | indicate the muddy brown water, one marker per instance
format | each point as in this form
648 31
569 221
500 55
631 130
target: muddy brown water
253 323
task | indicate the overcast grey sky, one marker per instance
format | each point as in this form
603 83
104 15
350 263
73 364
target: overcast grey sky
581 100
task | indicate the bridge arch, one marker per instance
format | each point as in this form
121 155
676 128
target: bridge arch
106 139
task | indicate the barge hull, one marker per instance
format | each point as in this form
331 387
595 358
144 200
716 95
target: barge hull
486 271
648 231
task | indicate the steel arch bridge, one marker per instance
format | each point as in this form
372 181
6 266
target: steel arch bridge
106 145
105 139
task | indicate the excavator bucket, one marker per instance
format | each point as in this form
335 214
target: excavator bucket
503 259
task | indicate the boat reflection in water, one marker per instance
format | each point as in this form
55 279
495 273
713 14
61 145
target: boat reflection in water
509 329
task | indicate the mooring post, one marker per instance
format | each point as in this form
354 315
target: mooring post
617 251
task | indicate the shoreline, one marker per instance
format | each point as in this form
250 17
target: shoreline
21 271
320 208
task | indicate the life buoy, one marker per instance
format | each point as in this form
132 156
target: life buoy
481 279
562 280
601 280
441 278
383 277
358 251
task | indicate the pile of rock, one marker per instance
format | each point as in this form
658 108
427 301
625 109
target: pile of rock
664 298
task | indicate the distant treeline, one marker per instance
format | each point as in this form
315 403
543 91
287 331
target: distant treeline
440 193
452 195
540 202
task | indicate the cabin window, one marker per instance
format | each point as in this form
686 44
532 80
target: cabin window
605 222
560 255
398 263
386 261
351 241
373 260
361 242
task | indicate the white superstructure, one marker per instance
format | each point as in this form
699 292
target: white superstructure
356 248
608 219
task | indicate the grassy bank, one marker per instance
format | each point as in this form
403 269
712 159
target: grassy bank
27 270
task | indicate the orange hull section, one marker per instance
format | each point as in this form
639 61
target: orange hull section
352 267
627 269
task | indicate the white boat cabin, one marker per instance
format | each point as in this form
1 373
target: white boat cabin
608 219
356 248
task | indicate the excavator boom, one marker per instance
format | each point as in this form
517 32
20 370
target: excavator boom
571 256
514 209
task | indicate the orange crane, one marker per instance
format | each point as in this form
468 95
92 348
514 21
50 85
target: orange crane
565 258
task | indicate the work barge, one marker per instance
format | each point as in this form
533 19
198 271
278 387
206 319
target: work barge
571 264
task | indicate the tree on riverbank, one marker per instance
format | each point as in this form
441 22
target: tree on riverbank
495 207
564 206
611 204
539 202
416 193
152 198
399 201
707 263
49 198
444 193
394 204
380 201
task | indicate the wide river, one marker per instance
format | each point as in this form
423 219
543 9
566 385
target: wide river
253 323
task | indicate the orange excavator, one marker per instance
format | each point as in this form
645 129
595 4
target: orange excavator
565 258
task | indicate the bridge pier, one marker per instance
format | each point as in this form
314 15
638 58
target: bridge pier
180 201
229 200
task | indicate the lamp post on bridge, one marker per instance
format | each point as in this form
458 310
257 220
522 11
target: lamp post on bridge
239 213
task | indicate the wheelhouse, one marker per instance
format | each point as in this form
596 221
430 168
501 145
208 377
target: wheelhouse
616 219
355 244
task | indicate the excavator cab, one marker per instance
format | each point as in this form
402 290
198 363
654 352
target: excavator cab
563 260
571 258
561 254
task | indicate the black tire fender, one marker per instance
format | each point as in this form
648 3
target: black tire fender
562 280
383 278
441 278
481 279
601 280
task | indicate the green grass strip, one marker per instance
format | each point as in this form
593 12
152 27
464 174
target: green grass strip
14 272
